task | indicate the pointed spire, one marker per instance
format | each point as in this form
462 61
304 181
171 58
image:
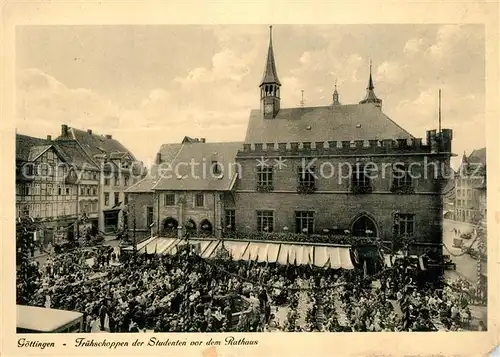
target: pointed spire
270 74
370 91
336 95
370 80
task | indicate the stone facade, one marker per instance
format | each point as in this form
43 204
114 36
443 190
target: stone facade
334 205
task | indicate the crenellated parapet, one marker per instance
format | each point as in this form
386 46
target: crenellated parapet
436 143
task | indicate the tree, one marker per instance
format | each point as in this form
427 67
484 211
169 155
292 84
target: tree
27 271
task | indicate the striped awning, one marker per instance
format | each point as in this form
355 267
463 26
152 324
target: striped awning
322 256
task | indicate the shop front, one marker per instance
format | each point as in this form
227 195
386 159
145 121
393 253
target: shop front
111 220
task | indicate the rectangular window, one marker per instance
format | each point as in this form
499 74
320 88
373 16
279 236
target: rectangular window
49 210
306 177
106 181
117 198
106 198
264 178
401 176
82 190
265 221
125 179
125 198
67 191
360 180
149 216
304 222
230 220
117 180
170 199
88 191
406 224
199 200
94 191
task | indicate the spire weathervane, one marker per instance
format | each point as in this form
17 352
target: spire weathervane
302 100
370 92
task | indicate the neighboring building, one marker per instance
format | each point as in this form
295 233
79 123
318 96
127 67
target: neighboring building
49 176
88 180
449 197
188 191
273 195
119 170
470 187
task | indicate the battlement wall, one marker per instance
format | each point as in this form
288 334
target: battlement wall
436 142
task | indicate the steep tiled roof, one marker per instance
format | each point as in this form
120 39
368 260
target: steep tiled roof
311 124
199 176
145 185
478 156
169 151
95 144
74 154
36 151
25 143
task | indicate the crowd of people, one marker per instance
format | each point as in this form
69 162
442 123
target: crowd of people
185 293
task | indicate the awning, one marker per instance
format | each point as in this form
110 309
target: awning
141 244
321 256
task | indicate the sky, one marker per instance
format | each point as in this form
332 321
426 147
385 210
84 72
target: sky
151 85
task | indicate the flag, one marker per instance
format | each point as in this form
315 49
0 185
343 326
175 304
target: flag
355 256
422 263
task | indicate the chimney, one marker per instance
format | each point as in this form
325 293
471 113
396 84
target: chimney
108 136
158 158
49 137
202 140
64 130
89 131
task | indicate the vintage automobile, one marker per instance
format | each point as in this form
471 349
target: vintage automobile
448 263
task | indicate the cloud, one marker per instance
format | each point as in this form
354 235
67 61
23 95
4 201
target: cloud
41 97
391 72
414 46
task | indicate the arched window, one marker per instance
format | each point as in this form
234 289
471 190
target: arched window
170 224
191 226
364 226
206 227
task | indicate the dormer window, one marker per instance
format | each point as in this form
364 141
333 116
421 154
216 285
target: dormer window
216 168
